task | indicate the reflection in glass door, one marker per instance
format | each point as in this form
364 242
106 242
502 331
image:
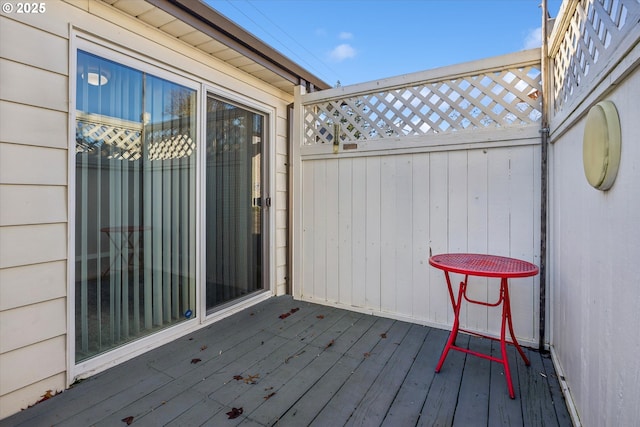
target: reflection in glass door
233 220
135 205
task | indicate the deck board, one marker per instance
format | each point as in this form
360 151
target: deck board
317 366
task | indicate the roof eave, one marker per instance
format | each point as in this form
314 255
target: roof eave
207 20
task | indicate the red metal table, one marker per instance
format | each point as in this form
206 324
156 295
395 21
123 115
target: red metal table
485 266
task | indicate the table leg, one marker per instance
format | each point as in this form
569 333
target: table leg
456 321
506 321
503 342
507 304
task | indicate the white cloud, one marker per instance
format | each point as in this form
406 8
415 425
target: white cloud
533 39
345 36
342 52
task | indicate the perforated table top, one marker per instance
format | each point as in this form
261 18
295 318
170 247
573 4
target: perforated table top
483 265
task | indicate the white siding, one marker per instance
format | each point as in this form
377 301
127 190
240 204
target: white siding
594 236
35 183
369 222
594 272
33 196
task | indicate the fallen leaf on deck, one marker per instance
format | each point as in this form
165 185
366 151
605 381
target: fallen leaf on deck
128 420
367 355
320 316
285 315
238 377
251 379
195 360
268 388
46 396
268 396
235 413
204 347
291 357
383 335
330 344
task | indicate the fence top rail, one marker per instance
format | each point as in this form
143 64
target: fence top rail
492 93
513 60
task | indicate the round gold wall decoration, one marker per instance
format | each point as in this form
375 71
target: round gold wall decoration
601 145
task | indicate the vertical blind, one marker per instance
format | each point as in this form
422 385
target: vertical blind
135 204
234 140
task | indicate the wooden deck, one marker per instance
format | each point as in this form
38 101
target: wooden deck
318 366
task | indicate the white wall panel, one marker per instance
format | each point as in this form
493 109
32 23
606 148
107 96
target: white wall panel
24 164
345 232
373 229
51 129
31 284
30 204
31 244
44 359
420 236
369 222
30 324
359 230
594 271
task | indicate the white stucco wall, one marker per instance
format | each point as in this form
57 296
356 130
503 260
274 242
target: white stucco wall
594 266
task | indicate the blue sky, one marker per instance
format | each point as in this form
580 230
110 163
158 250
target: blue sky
354 41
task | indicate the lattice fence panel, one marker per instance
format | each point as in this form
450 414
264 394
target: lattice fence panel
115 142
596 27
493 99
169 144
123 140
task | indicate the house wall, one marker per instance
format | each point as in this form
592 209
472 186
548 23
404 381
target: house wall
594 247
35 223
594 236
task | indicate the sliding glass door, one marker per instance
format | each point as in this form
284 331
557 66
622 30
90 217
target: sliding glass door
234 211
135 209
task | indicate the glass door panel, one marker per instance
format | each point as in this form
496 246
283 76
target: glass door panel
235 137
134 205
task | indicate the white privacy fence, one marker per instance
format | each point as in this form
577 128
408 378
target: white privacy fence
586 43
386 172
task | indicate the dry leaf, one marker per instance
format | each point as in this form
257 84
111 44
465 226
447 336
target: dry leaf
295 355
268 396
128 420
285 315
320 316
330 344
251 379
383 335
195 360
367 355
46 396
235 413
238 377
204 347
